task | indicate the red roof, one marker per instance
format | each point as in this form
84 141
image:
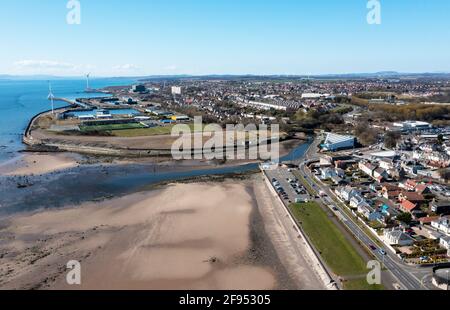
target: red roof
413 196
408 206
411 183
428 220
421 188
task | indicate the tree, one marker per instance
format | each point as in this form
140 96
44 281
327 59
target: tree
405 218
366 135
391 139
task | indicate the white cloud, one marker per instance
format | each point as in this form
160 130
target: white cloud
126 67
43 65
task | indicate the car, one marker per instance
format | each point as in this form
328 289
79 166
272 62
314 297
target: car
382 252
335 209
373 247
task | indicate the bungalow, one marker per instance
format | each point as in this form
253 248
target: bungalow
442 224
440 207
398 237
408 207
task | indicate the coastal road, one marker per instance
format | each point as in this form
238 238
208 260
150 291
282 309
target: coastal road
405 277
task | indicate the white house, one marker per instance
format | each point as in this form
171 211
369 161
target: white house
380 174
357 201
367 168
369 212
445 242
442 224
327 173
346 193
398 237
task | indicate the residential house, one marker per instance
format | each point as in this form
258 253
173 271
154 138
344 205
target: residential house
423 189
445 242
398 237
386 164
413 197
408 207
327 173
357 200
388 209
380 174
337 180
346 193
367 168
428 220
440 207
409 185
442 224
369 212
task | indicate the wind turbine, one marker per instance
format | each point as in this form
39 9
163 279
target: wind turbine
51 97
87 81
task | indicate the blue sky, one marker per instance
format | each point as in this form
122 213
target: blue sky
146 37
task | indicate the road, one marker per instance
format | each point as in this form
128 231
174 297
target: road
410 278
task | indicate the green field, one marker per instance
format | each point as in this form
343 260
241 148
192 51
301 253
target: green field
110 127
143 132
334 248
361 285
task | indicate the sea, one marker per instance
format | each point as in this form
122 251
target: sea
20 100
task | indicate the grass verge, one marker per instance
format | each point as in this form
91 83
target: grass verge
337 252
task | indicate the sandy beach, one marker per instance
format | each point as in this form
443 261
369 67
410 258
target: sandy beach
39 163
184 236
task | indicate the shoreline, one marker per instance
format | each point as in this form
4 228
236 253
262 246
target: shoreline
255 266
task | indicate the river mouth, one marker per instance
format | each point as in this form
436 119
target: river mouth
99 182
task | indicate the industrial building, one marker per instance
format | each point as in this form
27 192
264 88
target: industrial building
409 126
335 142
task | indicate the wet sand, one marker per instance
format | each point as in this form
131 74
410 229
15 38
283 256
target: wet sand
28 164
184 236
35 163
